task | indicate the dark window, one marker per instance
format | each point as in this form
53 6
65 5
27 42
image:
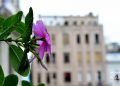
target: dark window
53 58
53 39
82 22
54 76
99 79
48 78
75 23
66 58
97 39
87 38
66 23
78 38
99 76
47 58
39 77
67 77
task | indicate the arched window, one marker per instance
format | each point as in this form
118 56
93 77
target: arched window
65 39
48 78
97 40
66 23
75 23
53 39
78 39
87 39
82 22
47 58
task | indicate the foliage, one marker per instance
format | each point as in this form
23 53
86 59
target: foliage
19 46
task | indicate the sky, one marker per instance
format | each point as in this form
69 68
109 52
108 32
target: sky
107 10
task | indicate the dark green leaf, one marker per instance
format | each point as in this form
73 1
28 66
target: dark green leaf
1 21
10 24
28 25
19 61
1 76
1 24
13 20
11 80
41 84
24 65
26 83
21 28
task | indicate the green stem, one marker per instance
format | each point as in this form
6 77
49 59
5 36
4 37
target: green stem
10 40
36 55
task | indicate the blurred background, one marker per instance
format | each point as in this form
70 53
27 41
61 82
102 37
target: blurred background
85 41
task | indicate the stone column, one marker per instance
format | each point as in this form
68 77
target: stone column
92 57
84 64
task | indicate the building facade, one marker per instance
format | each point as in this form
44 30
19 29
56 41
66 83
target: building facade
78 53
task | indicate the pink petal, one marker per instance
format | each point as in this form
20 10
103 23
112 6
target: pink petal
35 30
42 28
42 50
48 39
49 49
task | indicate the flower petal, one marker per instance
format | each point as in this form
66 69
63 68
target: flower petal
48 39
49 49
42 28
42 50
35 30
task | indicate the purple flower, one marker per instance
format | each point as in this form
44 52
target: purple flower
40 32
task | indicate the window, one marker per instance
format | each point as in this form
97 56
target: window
80 76
82 22
67 77
75 23
88 57
53 58
78 39
99 76
54 76
47 58
65 39
79 58
39 77
48 78
97 39
98 57
66 23
66 58
53 39
87 39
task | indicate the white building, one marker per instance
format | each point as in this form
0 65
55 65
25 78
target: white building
78 57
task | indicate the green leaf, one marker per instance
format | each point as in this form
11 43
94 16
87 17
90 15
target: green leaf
10 24
21 27
11 80
24 65
41 84
26 83
1 76
1 24
1 21
19 61
28 25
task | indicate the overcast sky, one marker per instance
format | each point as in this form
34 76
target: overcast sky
107 10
